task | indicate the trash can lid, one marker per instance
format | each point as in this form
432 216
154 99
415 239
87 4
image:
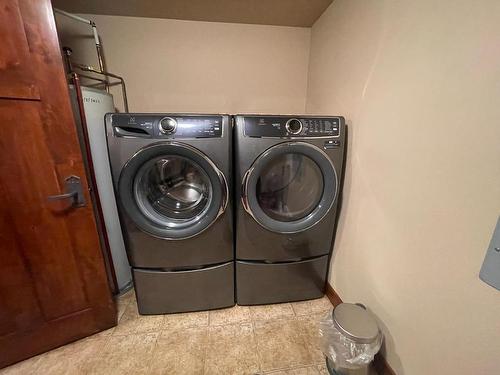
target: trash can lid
355 322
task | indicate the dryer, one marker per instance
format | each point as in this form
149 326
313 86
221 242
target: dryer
172 174
288 177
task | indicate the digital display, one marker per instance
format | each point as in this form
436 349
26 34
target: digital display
199 127
328 126
275 126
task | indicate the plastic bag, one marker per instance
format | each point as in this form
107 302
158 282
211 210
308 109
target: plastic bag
343 351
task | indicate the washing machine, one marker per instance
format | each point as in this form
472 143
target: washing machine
172 178
288 172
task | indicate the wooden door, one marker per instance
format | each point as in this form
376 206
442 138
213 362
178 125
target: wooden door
53 285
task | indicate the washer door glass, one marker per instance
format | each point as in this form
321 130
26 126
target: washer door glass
172 190
289 187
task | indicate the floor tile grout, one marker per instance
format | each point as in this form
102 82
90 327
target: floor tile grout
252 317
290 368
205 352
153 353
259 358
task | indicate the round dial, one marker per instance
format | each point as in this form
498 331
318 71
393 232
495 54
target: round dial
293 126
168 125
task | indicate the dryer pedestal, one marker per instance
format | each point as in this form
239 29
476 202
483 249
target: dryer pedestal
263 283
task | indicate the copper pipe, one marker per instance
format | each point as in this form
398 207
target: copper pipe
94 33
88 68
102 81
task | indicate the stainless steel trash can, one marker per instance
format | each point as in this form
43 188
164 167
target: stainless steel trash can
350 339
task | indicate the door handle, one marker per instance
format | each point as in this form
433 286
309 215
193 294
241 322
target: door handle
74 191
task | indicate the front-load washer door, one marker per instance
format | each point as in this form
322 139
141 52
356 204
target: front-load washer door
290 187
172 190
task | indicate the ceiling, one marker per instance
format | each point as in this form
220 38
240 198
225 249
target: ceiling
265 12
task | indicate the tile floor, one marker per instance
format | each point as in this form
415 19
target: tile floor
270 339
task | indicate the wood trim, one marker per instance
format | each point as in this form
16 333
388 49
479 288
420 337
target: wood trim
379 363
332 295
381 366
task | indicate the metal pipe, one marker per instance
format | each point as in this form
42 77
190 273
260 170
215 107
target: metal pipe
73 16
102 81
69 65
94 33
98 84
88 68
99 52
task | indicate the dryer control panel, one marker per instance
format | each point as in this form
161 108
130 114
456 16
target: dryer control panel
167 126
286 127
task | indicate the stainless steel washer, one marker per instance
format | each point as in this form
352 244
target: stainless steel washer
172 177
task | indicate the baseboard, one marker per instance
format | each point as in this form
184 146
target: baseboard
379 363
332 295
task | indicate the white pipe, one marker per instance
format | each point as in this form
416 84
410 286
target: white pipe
94 32
74 16
81 19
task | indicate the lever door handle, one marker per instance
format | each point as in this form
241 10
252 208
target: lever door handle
74 192
73 195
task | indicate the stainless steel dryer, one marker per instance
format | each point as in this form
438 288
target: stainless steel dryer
171 174
288 172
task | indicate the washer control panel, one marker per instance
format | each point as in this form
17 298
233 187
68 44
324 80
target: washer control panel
285 127
167 126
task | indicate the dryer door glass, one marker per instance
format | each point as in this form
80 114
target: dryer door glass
289 187
172 189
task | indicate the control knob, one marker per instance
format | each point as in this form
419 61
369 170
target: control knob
293 126
168 125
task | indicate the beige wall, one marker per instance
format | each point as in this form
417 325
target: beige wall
172 65
419 84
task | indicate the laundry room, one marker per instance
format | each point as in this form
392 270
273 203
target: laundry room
250 187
